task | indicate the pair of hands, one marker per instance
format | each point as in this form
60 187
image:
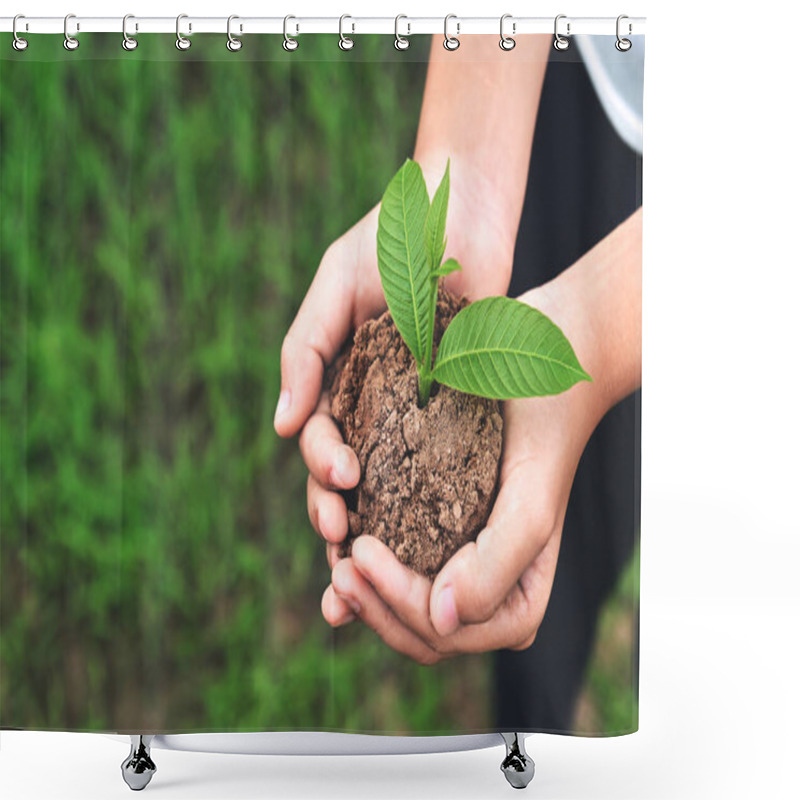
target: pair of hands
493 592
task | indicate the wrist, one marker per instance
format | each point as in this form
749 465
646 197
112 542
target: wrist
584 404
597 302
481 228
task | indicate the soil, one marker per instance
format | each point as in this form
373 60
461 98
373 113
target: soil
428 476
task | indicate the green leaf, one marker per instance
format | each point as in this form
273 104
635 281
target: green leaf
435 221
502 348
402 258
451 265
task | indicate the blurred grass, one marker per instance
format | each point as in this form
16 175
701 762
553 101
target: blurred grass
162 217
609 700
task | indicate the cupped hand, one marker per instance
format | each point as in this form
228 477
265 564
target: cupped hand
346 291
494 591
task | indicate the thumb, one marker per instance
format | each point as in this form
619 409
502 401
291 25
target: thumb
314 338
302 367
475 582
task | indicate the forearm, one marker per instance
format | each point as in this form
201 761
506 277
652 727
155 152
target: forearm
479 110
597 302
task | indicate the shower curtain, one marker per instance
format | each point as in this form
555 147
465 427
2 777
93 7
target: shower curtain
172 222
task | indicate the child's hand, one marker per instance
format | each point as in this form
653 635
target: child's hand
345 292
493 592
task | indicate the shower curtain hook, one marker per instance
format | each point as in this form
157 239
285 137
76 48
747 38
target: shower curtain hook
623 45
507 42
289 42
560 42
70 42
400 42
345 42
18 43
182 43
451 42
128 43
234 44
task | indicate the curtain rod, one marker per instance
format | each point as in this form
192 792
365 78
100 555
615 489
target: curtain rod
407 26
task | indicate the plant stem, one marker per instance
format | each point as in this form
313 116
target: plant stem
425 383
425 371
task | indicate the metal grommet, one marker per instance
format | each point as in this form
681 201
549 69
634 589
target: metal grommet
400 42
18 43
451 42
345 42
234 44
506 42
128 43
70 42
559 42
289 42
182 43
623 45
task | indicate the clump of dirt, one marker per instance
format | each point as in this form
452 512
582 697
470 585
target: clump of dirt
428 476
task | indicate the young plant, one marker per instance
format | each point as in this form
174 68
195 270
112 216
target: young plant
497 347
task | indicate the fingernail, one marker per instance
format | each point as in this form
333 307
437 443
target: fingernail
347 620
345 468
284 401
445 615
360 549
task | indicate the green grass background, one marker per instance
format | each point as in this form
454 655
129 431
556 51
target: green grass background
163 214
